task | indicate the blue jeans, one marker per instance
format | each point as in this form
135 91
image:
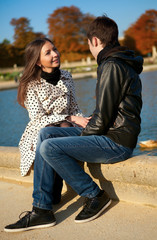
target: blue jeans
59 149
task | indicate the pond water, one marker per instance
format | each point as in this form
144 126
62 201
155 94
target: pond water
13 118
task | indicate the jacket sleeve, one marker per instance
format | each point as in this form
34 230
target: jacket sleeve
37 114
108 91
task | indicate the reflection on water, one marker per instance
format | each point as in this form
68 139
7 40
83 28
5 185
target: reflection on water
13 118
149 111
85 91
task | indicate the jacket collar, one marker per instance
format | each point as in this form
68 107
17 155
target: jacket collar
108 51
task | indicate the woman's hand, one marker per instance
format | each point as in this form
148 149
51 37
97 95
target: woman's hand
80 121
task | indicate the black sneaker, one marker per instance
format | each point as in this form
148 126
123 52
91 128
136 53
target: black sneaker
32 220
93 207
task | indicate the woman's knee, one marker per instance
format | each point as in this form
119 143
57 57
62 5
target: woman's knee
45 133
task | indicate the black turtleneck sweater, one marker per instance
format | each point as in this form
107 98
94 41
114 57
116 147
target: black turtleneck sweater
52 77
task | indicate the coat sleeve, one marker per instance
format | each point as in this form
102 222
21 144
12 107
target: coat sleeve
108 91
37 114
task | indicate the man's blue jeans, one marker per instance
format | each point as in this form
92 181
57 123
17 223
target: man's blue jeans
59 149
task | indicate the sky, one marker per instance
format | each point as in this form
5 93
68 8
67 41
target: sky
124 12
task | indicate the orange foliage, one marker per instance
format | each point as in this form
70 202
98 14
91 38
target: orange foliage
23 33
67 28
9 55
142 35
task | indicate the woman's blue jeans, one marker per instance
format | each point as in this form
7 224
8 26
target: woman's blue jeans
59 149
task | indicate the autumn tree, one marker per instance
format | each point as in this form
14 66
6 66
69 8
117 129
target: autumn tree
7 54
23 33
67 28
142 35
11 54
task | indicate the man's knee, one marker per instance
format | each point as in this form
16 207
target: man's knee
48 148
43 148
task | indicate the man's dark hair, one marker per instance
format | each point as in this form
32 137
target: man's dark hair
105 29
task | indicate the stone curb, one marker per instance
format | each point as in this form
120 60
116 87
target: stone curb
4 85
134 180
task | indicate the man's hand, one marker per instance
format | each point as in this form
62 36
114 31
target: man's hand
80 121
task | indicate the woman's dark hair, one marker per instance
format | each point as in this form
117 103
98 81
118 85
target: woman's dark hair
105 29
31 71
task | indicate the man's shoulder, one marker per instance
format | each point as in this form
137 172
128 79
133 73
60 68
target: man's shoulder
108 64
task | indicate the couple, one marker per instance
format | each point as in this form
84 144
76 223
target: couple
109 136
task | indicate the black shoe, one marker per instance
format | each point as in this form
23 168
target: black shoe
93 207
32 220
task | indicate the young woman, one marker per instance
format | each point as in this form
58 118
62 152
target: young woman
48 95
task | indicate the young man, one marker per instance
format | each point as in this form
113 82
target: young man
109 137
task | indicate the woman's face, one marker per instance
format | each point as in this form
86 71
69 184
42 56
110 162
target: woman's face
49 57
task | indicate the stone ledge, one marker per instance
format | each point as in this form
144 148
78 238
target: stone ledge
9 157
134 180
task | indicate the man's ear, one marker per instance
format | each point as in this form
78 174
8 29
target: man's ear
96 41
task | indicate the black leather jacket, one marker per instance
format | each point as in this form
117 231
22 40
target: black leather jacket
118 99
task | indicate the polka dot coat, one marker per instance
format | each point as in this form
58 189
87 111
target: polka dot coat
46 104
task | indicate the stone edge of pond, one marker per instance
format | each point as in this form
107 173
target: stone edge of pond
4 85
133 180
